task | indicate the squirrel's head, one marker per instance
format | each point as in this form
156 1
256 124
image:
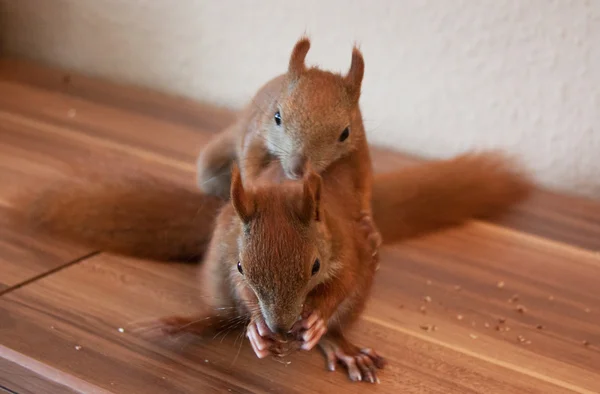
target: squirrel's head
285 248
316 116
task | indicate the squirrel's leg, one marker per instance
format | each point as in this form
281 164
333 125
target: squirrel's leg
372 233
364 185
361 363
366 216
214 163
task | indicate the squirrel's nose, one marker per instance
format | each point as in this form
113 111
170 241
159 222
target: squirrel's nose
279 328
297 166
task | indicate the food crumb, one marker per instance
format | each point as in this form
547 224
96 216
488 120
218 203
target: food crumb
164 378
71 113
459 317
539 327
520 338
500 284
506 328
77 347
586 343
486 325
205 361
121 329
473 336
426 327
501 320
427 299
514 298
423 309
521 309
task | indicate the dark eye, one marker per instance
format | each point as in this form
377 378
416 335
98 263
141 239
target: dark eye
316 266
345 134
277 118
240 268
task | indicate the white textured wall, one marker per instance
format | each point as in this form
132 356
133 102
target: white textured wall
442 76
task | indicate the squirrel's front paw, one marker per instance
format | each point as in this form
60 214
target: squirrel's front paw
373 235
260 338
311 329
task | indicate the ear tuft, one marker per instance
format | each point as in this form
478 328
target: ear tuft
355 74
296 66
241 200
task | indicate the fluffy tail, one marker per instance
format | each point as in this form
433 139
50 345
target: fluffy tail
438 194
147 217
141 217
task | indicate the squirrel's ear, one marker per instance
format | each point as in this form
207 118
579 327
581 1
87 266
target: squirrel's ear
355 74
296 66
241 200
311 204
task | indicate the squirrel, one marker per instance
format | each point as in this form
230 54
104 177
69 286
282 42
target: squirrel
284 257
306 115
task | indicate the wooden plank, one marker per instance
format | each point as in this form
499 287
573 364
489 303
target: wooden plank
72 322
23 255
37 152
472 282
16 379
42 138
133 99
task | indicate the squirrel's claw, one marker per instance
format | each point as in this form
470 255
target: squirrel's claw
361 364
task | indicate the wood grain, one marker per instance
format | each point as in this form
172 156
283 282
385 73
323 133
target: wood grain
85 305
62 325
15 378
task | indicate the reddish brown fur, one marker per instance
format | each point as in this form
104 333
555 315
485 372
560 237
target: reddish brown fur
276 230
437 194
277 247
153 218
143 216
315 106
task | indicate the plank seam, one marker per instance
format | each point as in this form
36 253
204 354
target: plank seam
48 273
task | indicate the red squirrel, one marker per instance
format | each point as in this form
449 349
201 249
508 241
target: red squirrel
288 256
306 115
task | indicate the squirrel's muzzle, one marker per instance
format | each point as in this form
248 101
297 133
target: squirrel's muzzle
296 166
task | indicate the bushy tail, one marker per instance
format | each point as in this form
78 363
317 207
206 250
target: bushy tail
143 217
437 194
148 217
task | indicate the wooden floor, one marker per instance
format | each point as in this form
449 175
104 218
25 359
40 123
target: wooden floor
444 309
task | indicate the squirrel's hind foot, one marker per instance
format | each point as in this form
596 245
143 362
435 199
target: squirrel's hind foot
361 363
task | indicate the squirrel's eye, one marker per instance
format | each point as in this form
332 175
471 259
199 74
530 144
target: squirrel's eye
240 268
316 266
277 118
345 134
